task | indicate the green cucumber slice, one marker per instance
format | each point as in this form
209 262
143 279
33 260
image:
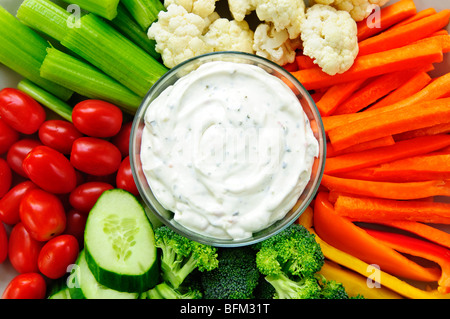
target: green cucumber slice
120 243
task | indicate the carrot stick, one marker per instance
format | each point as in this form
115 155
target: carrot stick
417 116
410 87
369 145
427 131
403 149
389 190
374 64
419 15
389 16
304 61
335 95
364 209
437 88
441 40
405 34
440 32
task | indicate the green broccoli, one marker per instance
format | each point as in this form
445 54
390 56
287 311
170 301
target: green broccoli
235 278
165 291
180 256
331 289
289 288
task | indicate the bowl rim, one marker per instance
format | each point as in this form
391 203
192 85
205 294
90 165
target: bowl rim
220 242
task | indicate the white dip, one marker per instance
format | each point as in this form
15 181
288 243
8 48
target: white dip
228 149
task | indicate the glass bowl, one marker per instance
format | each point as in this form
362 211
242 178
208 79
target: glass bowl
165 216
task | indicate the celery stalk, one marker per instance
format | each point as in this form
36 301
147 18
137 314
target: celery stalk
145 12
103 8
87 80
23 50
48 100
44 16
108 50
125 23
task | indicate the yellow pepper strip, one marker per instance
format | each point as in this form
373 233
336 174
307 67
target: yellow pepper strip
357 265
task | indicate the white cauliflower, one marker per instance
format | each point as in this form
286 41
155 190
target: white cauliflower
240 8
202 8
226 35
358 9
274 45
330 38
179 35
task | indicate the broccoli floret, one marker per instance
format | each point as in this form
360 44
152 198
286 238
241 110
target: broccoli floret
287 288
331 289
180 256
165 291
264 290
235 278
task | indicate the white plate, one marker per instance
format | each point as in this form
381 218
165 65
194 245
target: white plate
10 79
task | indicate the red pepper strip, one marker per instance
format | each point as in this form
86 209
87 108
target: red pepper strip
346 236
420 248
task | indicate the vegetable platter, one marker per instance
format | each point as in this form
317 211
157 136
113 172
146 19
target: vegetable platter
364 170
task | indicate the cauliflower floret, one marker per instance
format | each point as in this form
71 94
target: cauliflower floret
330 38
274 45
179 35
358 9
226 35
202 8
240 8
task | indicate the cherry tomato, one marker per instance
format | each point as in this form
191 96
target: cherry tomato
3 243
84 196
9 204
97 118
59 135
95 156
42 214
23 250
122 139
26 286
21 111
5 177
17 153
75 225
50 170
8 136
57 254
125 179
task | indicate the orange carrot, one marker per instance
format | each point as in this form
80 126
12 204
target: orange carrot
374 64
369 145
403 149
410 87
365 209
440 32
441 40
405 34
389 16
437 88
427 131
291 67
304 61
316 96
417 116
389 190
335 95
419 15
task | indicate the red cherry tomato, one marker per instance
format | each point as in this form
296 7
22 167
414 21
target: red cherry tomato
125 179
23 250
9 204
84 196
3 243
8 136
42 214
57 254
5 177
59 135
50 170
26 286
122 139
17 153
97 118
95 156
75 225
20 111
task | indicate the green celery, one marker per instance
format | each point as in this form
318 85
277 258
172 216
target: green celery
107 49
44 16
145 12
125 23
87 80
48 100
103 8
23 50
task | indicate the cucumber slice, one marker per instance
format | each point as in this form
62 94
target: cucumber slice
84 285
120 243
62 294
